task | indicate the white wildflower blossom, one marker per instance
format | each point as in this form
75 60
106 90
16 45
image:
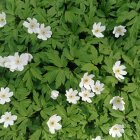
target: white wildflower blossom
72 96
8 119
2 19
117 130
97 87
32 25
117 103
44 32
15 62
54 94
86 95
86 81
119 70
119 31
53 123
98 29
5 95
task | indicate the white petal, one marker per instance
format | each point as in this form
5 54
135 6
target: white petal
117 63
7 100
111 101
114 107
7 89
98 92
52 130
122 67
91 94
117 35
113 134
1 120
94 25
89 100
29 19
58 118
48 28
118 134
99 35
103 28
120 77
123 72
14 117
58 127
26 24
2 101
6 124
20 68
11 122
87 87
10 94
30 31
99 24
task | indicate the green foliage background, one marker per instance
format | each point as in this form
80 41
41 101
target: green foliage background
60 62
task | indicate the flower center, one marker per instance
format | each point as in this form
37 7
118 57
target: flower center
85 94
52 123
3 95
43 32
119 30
32 25
86 80
71 96
97 31
97 88
7 118
117 71
115 129
1 19
17 61
118 101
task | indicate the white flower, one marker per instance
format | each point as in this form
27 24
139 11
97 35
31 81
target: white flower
98 29
8 119
54 94
32 25
116 130
53 123
118 70
2 19
5 95
86 95
118 103
72 96
119 31
97 138
17 62
86 81
44 32
98 87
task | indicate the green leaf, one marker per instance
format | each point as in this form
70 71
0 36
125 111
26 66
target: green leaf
117 114
53 57
36 73
89 67
36 135
130 87
21 93
60 78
